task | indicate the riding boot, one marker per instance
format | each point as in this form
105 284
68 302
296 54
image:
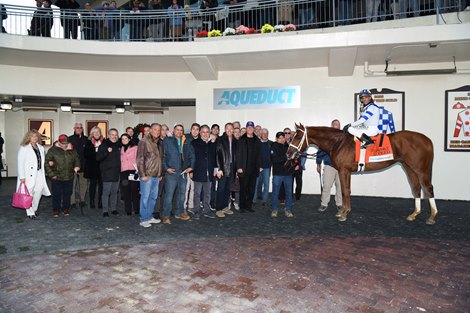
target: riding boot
367 141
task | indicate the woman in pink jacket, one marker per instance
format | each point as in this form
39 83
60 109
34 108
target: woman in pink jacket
129 178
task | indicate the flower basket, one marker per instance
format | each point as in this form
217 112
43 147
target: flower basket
241 30
229 32
267 28
279 28
214 33
202 34
290 28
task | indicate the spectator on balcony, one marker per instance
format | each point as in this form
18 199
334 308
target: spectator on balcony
43 19
372 10
69 17
4 16
307 13
137 22
208 9
176 14
345 12
155 29
104 24
89 24
234 16
285 12
400 8
116 21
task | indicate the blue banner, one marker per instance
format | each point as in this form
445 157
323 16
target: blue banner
256 98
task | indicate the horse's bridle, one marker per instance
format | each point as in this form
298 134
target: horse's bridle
301 142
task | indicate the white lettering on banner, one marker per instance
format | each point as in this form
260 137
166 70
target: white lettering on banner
256 98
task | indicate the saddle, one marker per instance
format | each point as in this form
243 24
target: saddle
380 151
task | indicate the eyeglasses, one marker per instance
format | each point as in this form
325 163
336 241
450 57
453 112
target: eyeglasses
287 133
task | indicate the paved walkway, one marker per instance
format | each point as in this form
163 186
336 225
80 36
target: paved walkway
375 262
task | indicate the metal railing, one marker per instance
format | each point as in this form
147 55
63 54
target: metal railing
183 24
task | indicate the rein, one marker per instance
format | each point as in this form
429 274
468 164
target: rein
301 143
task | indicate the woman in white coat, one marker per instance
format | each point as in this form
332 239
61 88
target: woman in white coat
31 169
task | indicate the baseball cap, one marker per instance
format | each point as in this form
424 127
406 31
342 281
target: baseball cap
63 139
279 134
250 123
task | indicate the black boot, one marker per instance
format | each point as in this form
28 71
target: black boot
366 140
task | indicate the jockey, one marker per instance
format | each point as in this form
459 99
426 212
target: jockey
367 124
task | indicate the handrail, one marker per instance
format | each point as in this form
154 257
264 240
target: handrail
183 24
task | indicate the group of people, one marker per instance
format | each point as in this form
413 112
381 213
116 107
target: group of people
144 21
200 171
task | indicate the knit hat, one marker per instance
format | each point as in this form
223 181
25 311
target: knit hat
63 139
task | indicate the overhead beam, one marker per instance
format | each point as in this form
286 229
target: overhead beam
201 67
342 61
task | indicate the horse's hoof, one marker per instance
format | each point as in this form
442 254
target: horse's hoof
338 214
342 219
411 218
430 221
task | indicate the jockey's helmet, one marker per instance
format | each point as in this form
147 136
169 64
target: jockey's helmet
364 92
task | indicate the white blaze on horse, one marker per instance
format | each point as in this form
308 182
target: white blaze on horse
413 150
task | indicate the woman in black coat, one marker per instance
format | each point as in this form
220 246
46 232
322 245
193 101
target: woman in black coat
92 167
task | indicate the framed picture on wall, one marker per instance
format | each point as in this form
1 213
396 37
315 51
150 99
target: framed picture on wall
45 128
103 125
457 114
390 100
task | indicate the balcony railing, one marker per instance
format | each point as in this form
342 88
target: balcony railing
182 24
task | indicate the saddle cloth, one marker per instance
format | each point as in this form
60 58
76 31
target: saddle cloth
380 151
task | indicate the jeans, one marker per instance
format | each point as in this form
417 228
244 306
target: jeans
148 197
174 183
205 187
223 193
263 179
61 194
277 181
109 197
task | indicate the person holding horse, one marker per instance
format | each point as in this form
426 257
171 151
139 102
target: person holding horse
330 177
367 124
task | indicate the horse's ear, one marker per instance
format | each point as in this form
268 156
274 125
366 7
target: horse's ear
296 126
301 126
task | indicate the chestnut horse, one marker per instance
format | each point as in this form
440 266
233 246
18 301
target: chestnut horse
413 150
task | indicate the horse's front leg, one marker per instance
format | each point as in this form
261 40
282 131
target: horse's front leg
345 179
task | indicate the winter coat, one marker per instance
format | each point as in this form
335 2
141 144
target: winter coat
172 158
28 168
110 162
242 153
79 143
128 158
204 160
92 166
279 158
63 162
224 162
150 157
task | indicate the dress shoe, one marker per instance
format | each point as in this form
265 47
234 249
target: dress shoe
250 210
105 214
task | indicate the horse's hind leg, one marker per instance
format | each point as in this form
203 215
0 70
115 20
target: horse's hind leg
413 179
429 193
345 180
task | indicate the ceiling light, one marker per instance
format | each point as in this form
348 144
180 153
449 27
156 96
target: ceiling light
127 103
18 99
120 108
65 107
6 105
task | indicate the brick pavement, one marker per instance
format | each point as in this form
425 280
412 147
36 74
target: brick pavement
375 262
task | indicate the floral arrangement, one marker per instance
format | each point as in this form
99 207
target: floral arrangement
242 29
139 129
267 28
279 28
214 33
290 28
229 31
203 33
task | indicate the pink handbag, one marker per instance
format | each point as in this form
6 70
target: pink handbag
22 200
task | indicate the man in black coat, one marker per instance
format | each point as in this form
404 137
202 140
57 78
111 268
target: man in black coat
109 156
248 166
78 141
226 156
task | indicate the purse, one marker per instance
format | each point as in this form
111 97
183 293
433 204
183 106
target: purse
22 200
